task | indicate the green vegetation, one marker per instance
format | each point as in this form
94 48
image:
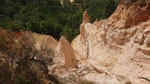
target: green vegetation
45 17
50 17
86 82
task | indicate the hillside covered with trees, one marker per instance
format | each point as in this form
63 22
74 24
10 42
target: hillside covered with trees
50 17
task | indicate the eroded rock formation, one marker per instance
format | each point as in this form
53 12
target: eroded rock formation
45 42
111 51
65 53
118 45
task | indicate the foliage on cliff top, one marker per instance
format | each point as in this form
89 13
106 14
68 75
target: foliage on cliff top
50 17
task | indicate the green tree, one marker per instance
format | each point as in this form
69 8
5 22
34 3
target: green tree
50 17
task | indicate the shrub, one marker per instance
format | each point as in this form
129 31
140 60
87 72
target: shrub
86 82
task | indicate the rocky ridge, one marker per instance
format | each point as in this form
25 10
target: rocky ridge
118 45
111 51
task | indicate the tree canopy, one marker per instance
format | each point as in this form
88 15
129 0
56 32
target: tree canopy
50 17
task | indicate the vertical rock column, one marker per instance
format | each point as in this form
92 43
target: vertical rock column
84 34
65 54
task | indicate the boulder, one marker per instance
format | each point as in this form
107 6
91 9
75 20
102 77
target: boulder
45 42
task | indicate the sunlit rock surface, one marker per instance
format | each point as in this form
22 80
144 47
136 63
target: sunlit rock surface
65 53
111 51
119 45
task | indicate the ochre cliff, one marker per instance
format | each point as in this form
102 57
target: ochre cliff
119 45
111 51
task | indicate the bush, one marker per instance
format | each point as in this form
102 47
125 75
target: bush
86 82
4 73
22 80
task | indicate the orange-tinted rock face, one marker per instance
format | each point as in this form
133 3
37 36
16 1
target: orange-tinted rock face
86 17
130 14
66 53
70 59
120 44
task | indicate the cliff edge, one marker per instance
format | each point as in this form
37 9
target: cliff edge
119 45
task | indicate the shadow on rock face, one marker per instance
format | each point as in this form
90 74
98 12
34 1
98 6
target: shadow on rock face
18 64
